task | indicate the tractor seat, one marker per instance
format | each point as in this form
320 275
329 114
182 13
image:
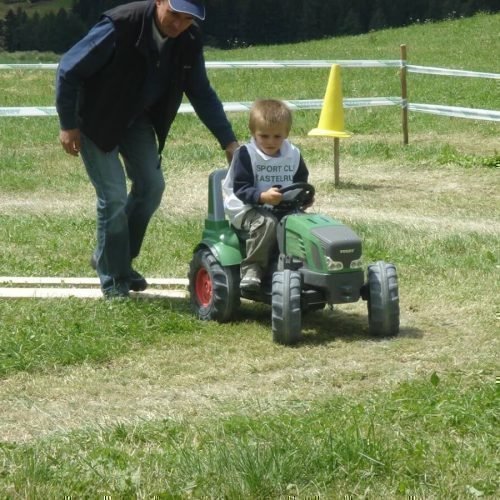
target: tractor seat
216 201
215 198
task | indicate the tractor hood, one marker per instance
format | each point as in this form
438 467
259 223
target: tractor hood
317 240
340 243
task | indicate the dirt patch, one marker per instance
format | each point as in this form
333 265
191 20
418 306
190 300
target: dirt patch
447 199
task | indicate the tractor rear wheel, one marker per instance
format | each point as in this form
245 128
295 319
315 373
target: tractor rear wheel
213 289
286 313
383 299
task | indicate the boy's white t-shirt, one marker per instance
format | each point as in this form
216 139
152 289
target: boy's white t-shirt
268 171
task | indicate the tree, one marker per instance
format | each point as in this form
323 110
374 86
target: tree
351 24
262 22
225 26
12 29
240 23
378 20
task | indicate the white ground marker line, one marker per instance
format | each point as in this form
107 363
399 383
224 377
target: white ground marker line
33 280
82 293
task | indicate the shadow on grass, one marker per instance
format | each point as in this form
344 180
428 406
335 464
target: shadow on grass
178 304
359 186
327 325
319 327
326 186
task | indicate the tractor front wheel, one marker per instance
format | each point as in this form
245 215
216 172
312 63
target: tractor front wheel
383 299
213 289
286 313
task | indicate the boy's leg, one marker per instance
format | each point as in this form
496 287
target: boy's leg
260 245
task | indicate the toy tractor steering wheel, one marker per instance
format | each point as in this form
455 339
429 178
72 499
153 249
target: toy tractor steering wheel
295 196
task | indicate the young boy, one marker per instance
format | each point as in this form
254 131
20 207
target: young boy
251 188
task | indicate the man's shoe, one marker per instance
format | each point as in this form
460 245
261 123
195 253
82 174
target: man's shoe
118 290
137 282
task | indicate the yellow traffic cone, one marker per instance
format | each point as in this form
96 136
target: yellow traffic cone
331 120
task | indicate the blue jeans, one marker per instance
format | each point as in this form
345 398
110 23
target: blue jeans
122 218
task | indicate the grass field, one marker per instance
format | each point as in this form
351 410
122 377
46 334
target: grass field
138 398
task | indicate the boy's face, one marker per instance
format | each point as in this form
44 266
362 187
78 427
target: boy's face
270 138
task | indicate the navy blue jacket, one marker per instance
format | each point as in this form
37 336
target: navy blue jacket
116 73
244 179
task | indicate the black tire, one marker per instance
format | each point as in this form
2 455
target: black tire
383 299
213 289
286 313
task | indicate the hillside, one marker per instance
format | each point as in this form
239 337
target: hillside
42 6
58 24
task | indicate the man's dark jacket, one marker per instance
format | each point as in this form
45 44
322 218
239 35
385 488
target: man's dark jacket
109 98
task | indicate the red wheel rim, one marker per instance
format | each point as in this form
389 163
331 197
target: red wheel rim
203 287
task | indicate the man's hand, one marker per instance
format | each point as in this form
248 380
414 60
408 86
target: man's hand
70 141
230 149
272 196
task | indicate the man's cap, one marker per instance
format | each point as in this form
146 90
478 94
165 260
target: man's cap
195 8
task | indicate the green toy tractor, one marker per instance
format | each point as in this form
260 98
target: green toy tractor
319 263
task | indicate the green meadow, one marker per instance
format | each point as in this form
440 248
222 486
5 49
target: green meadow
138 399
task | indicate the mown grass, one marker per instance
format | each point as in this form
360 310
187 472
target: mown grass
454 267
433 438
138 398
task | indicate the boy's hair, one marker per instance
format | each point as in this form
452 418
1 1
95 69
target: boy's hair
265 112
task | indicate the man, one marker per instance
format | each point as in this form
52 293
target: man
118 91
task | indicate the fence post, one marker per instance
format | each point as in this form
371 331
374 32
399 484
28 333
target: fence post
336 160
404 94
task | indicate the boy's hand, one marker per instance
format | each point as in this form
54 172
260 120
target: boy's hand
271 197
